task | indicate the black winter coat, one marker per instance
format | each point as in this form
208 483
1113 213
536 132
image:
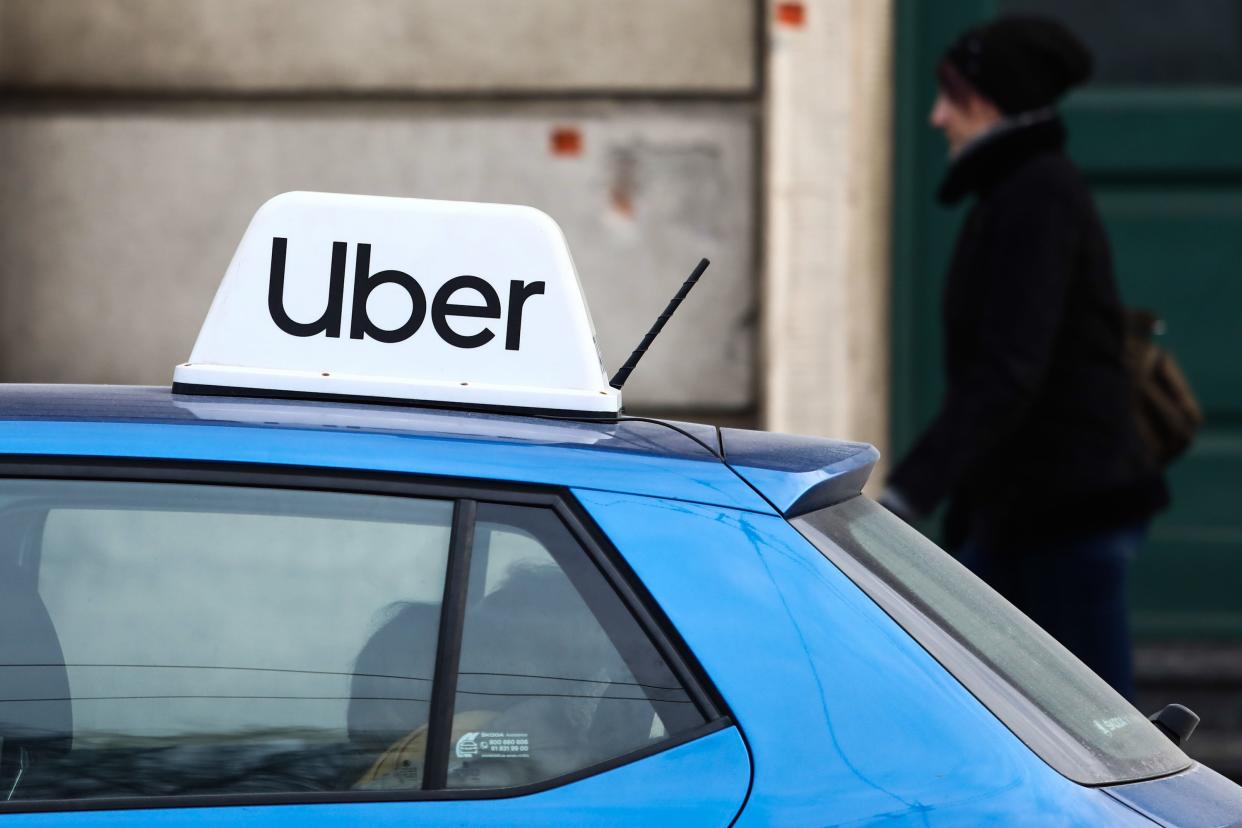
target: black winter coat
1035 437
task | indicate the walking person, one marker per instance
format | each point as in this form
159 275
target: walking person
1034 444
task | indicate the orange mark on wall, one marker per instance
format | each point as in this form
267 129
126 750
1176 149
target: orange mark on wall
566 141
622 203
791 14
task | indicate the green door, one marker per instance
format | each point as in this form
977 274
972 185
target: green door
1159 134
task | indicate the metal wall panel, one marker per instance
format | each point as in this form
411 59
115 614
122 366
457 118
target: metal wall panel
119 222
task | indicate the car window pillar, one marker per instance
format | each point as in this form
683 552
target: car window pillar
448 648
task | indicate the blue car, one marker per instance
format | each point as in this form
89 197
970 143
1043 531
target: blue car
303 586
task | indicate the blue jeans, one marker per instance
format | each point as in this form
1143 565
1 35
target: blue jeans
1073 588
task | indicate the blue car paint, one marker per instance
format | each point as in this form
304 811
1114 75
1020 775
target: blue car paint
1198 798
707 481
848 719
835 738
651 791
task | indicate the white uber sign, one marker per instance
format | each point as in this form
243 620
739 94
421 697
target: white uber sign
402 299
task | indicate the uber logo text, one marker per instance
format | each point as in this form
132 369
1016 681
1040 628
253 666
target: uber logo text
442 307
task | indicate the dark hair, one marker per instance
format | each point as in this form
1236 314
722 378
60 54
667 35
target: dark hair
954 84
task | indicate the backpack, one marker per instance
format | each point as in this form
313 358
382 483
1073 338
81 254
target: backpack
1166 410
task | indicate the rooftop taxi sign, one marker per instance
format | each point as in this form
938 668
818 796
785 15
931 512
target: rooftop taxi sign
401 299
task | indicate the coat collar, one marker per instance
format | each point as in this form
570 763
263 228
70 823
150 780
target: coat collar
993 156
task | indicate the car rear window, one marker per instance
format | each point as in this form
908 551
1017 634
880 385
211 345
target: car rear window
1046 696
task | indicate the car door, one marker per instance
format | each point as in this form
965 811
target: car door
212 645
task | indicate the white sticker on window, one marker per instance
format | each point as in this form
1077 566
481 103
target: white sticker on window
479 745
1107 726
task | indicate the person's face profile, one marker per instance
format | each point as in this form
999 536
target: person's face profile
961 122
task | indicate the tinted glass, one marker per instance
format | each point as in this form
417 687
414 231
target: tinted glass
1058 707
1152 42
172 639
556 675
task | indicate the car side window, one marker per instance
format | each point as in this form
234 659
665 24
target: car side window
184 639
175 640
555 673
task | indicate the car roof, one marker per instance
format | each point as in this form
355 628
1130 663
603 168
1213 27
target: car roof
750 470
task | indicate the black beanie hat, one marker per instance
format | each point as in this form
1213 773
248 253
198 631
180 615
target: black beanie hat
1021 62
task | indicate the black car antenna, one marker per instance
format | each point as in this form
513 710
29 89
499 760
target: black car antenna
619 378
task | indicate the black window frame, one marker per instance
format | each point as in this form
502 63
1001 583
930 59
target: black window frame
465 494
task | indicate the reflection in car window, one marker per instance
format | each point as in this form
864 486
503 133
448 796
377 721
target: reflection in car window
555 673
167 640
1049 699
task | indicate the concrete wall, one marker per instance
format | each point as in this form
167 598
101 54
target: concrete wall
140 135
436 46
121 223
825 298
